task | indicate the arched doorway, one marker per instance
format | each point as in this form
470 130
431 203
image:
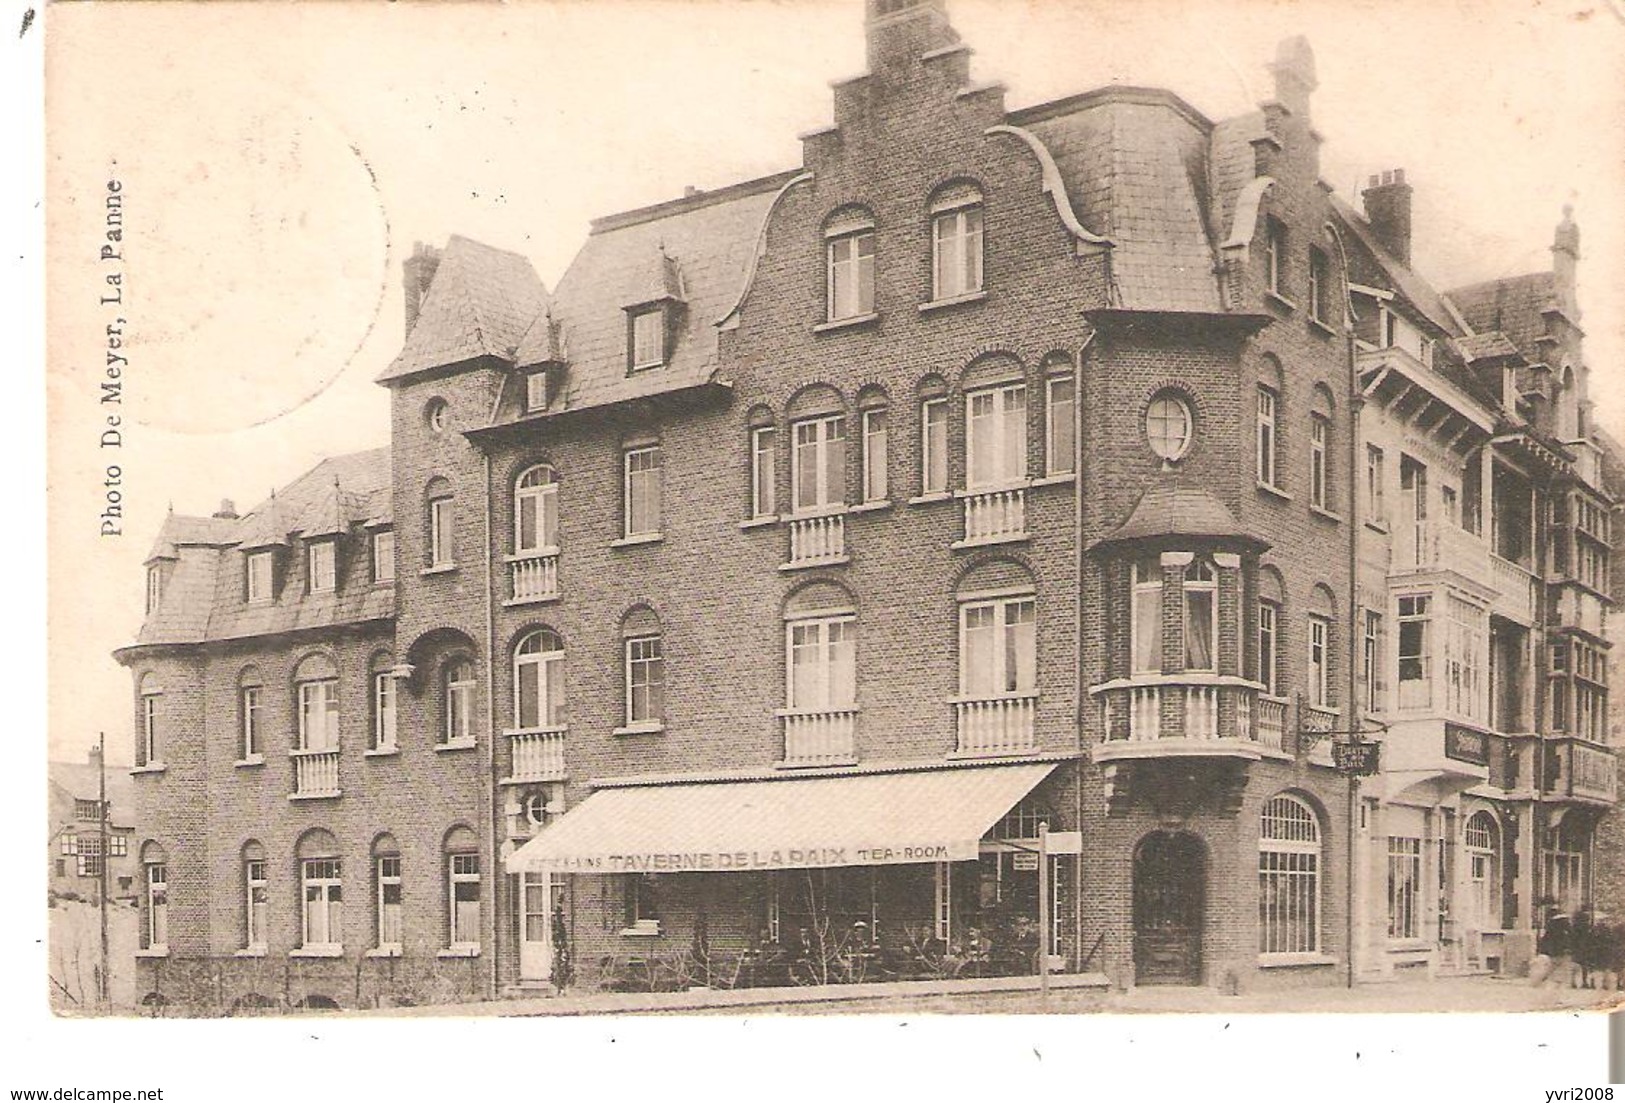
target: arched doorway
1170 878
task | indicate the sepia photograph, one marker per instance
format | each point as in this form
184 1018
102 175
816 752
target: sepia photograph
1034 519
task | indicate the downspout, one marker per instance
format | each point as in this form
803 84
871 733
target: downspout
1354 712
489 790
1079 424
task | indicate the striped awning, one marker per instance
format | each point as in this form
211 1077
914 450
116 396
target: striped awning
794 823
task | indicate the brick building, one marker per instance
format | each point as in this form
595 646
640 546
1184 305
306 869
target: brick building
749 604
77 845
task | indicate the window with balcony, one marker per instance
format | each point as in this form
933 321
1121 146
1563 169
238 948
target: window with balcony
849 266
1265 442
538 680
1201 596
317 693
1415 651
934 446
818 463
822 664
956 242
996 436
321 575
1145 621
642 491
1288 877
536 511
457 696
998 648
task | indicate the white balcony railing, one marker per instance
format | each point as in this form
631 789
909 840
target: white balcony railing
534 577
1440 545
815 540
997 725
538 754
316 773
1271 727
1201 712
1515 588
1144 713
820 738
996 515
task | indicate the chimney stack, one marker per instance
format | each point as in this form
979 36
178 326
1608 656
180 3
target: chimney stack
418 271
1388 208
899 32
1294 71
94 758
227 510
1565 261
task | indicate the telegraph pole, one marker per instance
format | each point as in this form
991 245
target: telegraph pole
101 820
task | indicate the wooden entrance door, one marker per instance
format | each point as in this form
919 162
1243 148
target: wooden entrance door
535 926
1170 877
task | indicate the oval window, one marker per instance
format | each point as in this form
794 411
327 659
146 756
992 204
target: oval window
437 415
1168 426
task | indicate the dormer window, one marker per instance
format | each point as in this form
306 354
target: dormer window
648 337
155 586
321 566
258 574
536 392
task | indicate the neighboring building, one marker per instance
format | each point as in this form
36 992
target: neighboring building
766 585
78 847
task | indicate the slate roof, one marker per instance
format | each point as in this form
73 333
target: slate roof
1513 306
479 303
82 781
1401 277
1484 346
1135 165
202 599
1177 511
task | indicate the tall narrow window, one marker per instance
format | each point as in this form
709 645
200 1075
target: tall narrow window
1375 479
822 664
383 556
319 715
384 690
155 587
851 275
642 491
1371 657
1319 430
818 463
956 243
998 648
464 895
763 472
442 529
648 340
151 751
874 455
256 901
389 902
1201 627
1265 451
645 680
1415 652
1288 878
1404 887
934 446
536 392
1319 661
996 436
1274 255
538 681
1483 871
1269 644
251 705
1320 308
156 931
459 697
536 511
322 577
1145 624
1061 431
259 577
323 903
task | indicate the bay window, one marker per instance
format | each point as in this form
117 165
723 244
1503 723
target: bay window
1145 616
1415 651
1201 590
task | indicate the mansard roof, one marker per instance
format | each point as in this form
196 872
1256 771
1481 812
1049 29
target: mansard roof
480 303
1167 513
1515 306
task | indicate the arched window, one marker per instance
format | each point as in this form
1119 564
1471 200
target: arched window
321 891
151 691
458 697
956 241
316 687
256 895
1270 626
1267 439
536 511
154 897
385 690
462 889
1201 625
386 867
1484 870
872 407
440 545
764 440
1288 877
645 671
251 714
538 681
933 435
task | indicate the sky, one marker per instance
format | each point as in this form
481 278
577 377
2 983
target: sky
276 163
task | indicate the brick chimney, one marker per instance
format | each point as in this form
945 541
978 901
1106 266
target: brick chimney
227 510
1294 71
94 758
418 271
1388 208
900 31
1565 260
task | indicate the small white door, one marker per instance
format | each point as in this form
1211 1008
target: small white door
535 927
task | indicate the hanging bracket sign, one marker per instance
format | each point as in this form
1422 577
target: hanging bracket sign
1355 758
